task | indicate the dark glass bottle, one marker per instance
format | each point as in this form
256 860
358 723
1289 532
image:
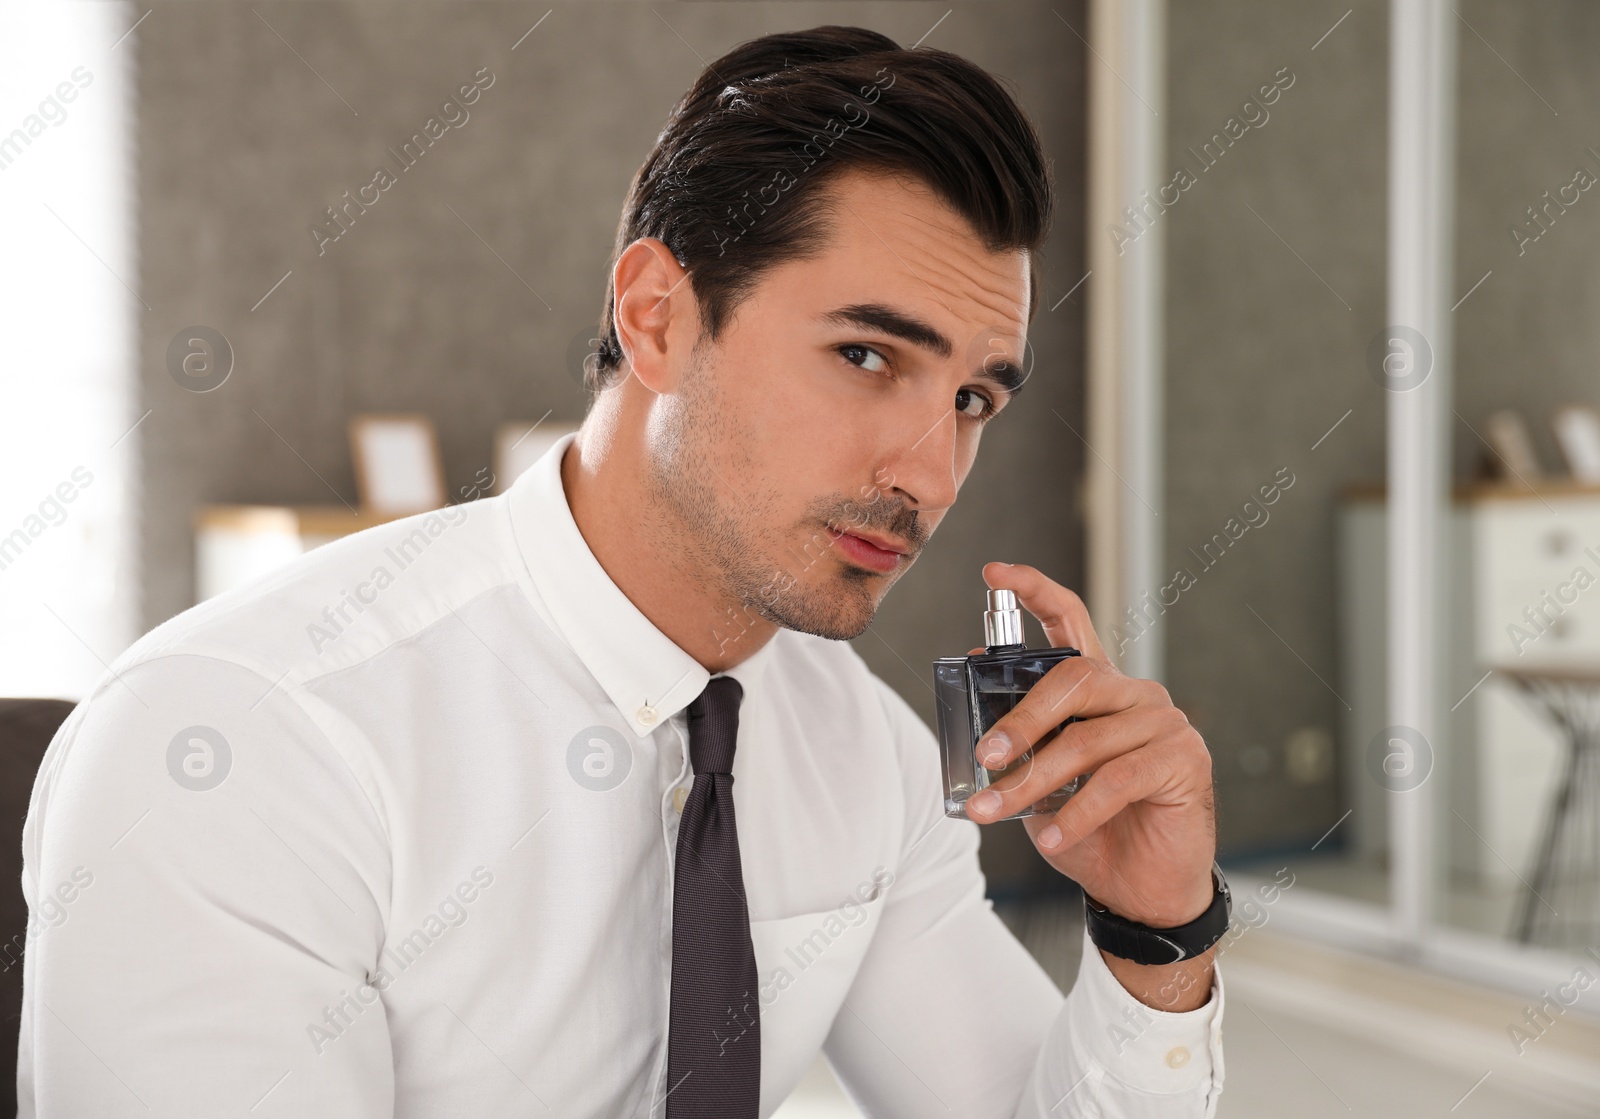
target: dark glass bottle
972 694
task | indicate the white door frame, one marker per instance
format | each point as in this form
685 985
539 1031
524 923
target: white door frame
1123 459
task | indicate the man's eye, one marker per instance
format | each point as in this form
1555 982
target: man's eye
850 349
965 398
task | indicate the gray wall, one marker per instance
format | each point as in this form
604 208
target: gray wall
1275 287
242 145
1528 338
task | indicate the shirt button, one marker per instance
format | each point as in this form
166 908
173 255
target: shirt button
646 715
1178 1057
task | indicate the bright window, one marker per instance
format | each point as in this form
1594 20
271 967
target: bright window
70 317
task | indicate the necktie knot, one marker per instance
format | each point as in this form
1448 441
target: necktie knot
714 725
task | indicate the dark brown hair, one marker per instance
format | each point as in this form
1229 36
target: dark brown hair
735 184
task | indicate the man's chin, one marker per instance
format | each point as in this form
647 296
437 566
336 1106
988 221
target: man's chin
841 611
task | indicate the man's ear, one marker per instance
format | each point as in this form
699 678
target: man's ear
655 312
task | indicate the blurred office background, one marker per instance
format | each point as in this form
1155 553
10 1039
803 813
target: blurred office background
1226 399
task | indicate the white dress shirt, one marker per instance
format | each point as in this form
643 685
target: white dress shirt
390 832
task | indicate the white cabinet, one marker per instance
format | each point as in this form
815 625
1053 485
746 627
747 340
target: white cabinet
1522 574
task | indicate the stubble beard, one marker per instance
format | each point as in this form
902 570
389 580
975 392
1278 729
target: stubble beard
759 571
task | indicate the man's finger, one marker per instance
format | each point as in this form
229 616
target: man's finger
1076 686
1061 613
1115 785
1078 749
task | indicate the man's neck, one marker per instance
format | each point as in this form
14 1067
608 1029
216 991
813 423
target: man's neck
604 476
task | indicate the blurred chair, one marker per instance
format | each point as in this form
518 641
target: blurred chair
26 728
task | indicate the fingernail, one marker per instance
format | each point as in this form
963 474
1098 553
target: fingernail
993 750
1050 837
985 803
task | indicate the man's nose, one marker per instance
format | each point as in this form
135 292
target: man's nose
925 468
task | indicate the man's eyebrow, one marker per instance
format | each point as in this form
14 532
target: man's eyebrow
1005 374
896 324
909 328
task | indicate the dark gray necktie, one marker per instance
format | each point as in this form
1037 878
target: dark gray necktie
714 1043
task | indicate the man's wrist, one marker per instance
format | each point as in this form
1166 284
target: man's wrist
1191 909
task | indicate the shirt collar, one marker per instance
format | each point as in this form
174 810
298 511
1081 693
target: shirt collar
644 672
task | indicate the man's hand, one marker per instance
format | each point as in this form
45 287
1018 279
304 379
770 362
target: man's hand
1140 834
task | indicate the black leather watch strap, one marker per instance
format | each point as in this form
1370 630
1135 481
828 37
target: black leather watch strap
1142 944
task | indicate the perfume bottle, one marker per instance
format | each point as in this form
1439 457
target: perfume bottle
972 694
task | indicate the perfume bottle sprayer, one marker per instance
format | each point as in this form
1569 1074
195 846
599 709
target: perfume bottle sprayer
972 694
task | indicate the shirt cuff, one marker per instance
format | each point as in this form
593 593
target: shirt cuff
1157 1051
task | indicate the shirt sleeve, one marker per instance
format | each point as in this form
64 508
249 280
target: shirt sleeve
207 882
949 1014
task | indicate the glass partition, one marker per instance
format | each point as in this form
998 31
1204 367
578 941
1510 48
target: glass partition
1380 526
1270 608
1520 796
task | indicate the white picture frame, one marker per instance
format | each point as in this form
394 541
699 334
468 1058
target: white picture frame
1514 456
397 463
519 445
1577 431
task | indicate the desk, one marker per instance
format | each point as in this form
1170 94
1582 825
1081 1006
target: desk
235 544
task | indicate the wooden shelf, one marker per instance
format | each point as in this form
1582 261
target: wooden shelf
237 543
301 520
1487 490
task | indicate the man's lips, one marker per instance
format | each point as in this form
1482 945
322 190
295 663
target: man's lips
879 553
883 543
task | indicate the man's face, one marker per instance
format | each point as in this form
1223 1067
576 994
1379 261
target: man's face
843 404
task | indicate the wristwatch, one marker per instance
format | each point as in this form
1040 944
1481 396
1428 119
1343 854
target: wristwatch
1142 944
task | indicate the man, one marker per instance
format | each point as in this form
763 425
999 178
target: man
572 801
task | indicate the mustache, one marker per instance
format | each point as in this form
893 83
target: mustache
876 517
